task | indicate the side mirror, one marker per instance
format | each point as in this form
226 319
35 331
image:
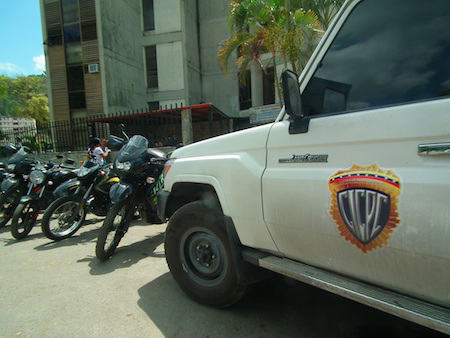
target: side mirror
291 94
115 143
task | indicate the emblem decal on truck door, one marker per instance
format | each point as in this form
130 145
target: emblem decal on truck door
364 205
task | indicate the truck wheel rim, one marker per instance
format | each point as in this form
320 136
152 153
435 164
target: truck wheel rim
203 256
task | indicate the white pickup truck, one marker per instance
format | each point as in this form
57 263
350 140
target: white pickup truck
349 190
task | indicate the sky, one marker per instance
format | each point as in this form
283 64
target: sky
21 45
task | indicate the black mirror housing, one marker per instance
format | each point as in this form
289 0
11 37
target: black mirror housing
291 94
115 143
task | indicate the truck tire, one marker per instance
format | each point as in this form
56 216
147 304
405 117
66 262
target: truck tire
24 218
199 256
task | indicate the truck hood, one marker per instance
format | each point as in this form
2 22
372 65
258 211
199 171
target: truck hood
236 142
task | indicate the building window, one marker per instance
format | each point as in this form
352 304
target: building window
70 12
77 100
152 67
245 91
148 14
269 86
153 105
75 78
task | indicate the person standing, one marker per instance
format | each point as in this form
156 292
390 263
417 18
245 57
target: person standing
95 152
105 149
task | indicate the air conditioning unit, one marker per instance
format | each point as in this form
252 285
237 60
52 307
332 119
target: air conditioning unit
93 68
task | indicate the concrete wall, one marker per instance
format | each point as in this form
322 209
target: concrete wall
191 50
167 37
120 44
170 66
222 91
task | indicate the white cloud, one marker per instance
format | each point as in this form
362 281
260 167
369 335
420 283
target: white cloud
40 62
10 67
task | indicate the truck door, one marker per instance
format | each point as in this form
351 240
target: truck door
365 190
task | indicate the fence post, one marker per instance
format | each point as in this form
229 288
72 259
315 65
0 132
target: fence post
210 122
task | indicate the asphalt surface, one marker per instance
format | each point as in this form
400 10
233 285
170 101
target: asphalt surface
59 289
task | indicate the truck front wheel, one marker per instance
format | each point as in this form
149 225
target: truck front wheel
199 255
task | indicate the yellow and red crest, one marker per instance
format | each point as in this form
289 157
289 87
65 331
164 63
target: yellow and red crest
364 205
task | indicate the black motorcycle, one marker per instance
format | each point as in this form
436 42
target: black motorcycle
6 151
140 171
44 179
16 185
67 213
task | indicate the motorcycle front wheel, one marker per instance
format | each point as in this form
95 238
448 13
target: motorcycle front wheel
8 203
24 218
60 221
112 231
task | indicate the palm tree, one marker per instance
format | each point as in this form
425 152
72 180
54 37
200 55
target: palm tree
290 29
325 9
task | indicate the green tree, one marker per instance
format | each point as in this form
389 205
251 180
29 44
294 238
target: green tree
325 9
35 107
24 96
290 29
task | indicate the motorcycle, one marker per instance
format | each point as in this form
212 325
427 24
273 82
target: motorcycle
6 151
67 213
12 188
141 176
43 181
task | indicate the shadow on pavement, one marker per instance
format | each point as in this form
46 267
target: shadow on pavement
6 228
126 256
276 307
12 240
78 238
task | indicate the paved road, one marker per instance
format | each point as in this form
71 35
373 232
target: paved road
59 289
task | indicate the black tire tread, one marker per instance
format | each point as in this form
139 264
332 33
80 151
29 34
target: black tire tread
106 227
15 222
223 295
45 223
2 199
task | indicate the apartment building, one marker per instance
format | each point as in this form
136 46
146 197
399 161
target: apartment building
107 56
10 123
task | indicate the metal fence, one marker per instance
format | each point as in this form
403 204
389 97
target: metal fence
161 127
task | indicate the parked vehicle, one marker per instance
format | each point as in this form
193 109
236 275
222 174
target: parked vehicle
140 172
67 213
6 151
12 188
348 190
44 178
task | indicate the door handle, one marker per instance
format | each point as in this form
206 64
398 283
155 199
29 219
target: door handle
434 149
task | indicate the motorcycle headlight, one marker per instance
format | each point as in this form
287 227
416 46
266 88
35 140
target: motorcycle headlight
11 166
123 165
37 177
